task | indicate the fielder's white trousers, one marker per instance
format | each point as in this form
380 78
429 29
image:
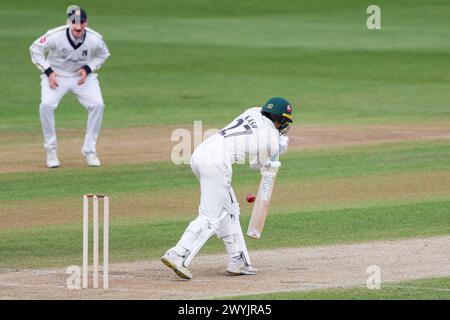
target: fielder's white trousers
88 94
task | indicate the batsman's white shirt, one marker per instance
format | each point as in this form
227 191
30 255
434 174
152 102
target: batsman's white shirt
57 49
251 136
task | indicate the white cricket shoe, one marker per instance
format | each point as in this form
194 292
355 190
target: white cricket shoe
91 159
175 262
52 159
237 267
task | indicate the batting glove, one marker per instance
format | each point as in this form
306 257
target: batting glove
284 142
272 164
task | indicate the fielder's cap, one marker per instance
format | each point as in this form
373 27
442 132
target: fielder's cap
75 13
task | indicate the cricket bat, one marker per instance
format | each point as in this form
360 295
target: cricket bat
262 202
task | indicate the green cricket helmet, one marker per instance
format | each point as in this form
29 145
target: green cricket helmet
278 110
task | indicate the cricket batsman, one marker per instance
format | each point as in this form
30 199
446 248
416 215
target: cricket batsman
256 135
68 57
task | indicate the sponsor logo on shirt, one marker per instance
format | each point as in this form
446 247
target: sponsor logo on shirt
64 53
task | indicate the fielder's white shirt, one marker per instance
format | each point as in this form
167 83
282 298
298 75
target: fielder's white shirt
251 136
56 49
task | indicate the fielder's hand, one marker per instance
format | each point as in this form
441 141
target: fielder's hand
83 75
52 80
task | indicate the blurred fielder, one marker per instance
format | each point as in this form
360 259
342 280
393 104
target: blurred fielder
68 56
258 135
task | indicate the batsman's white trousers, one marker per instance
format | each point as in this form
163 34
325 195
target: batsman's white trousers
218 210
88 94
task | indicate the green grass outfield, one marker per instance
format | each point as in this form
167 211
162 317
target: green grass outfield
287 226
149 239
429 289
179 62
174 62
297 166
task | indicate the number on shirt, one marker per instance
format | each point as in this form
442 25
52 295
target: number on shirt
236 130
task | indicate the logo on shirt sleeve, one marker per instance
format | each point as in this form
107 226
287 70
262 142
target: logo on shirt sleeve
42 39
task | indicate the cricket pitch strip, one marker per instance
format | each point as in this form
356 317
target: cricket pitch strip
290 269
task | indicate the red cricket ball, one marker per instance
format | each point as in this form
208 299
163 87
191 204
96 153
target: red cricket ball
250 198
